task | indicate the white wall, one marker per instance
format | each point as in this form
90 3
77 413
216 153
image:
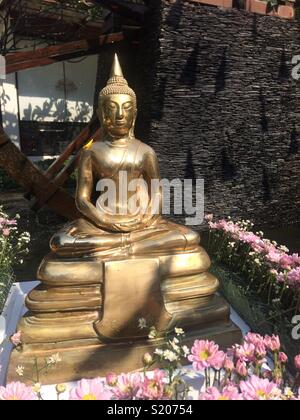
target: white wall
9 108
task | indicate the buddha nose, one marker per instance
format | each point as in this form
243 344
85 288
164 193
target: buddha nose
120 114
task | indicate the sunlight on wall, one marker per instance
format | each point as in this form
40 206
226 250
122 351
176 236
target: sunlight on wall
61 92
9 107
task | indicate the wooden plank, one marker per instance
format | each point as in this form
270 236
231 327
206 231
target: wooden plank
58 172
74 147
45 56
28 176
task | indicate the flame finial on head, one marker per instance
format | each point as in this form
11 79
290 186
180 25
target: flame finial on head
117 84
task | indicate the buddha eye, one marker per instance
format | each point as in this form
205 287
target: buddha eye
112 105
127 106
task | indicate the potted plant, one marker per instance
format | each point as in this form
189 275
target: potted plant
287 9
219 3
262 7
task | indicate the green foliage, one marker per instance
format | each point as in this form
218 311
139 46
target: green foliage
6 281
261 317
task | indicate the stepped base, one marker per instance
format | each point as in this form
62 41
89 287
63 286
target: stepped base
89 359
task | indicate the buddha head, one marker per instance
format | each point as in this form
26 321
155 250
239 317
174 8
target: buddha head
117 105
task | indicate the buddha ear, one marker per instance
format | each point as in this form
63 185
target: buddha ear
100 114
131 133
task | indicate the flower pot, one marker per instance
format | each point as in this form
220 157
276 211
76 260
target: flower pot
257 6
220 3
286 12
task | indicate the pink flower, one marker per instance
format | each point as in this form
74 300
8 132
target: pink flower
246 352
16 339
6 232
228 364
241 369
281 277
229 393
90 390
128 386
296 259
111 379
205 354
228 227
17 391
253 338
259 389
286 261
156 388
293 277
11 222
283 357
272 343
253 240
213 225
297 362
260 351
274 256
209 217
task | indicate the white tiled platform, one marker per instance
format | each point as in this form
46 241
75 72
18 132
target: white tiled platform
15 309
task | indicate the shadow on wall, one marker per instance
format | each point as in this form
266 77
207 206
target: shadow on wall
158 112
263 120
221 74
58 110
284 71
190 72
266 186
190 172
294 145
228 168
174 17
9 120
254 28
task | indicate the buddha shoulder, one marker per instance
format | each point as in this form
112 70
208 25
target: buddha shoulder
146 150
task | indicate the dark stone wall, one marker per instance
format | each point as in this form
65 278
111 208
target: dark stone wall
217 101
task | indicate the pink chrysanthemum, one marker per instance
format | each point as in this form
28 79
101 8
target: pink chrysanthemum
90 390
128 386
16 339
229 393
205 354
155 388
16 391
253 338
246 352
259 389
297 362
272 343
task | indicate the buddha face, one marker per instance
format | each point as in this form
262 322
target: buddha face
118 113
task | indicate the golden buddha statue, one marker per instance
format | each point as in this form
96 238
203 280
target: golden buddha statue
119 265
